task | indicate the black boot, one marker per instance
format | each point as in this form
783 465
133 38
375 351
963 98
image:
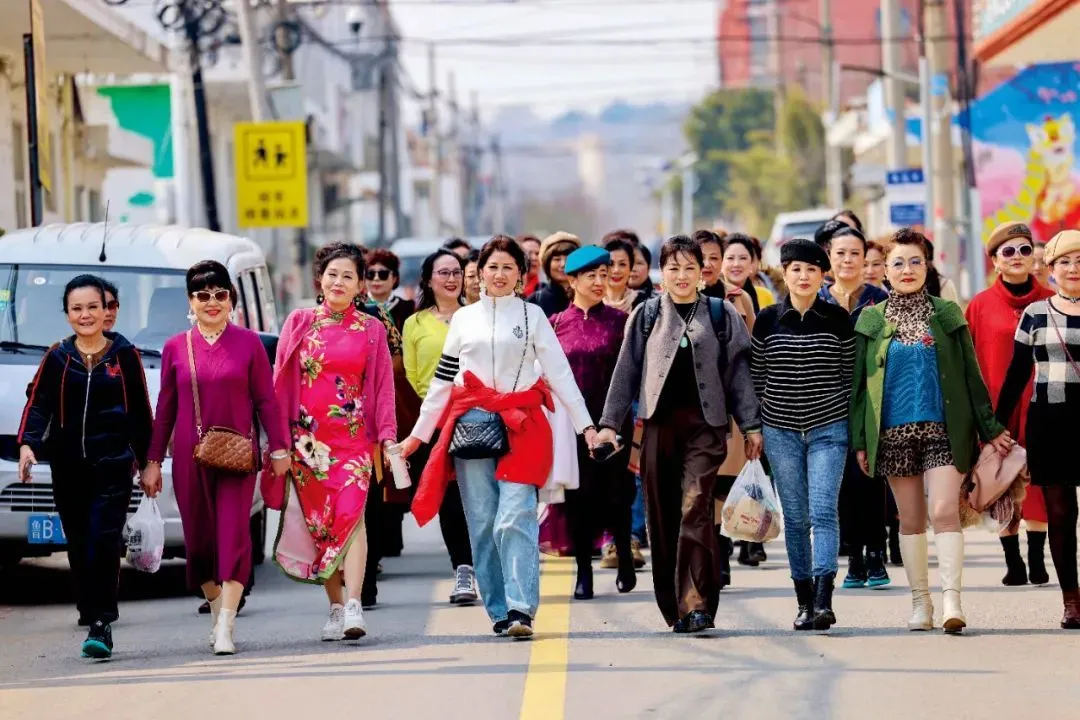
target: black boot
804 594
725 558
626 579
1036 558
824 617
584 588
895 556
744 555
1017 571
757 552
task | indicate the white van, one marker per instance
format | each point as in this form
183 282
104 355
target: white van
788 225
147 263
412 252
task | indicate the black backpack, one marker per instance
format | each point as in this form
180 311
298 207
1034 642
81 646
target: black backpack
717 314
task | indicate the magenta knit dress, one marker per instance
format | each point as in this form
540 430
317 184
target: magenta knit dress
235 385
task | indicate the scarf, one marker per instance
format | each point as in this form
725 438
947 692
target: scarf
393 335
625 303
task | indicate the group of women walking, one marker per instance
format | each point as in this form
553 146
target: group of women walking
846 373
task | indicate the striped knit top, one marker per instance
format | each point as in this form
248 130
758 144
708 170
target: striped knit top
802 365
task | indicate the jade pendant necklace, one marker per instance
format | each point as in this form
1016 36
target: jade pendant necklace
684 341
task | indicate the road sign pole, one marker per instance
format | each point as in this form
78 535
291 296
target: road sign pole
32 131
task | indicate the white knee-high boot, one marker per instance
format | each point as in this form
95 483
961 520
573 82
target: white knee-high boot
950 547
914 550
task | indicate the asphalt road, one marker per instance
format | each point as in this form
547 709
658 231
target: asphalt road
610 657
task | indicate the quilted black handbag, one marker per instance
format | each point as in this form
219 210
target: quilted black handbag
480 434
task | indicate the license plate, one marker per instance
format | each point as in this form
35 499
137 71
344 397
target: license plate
45 530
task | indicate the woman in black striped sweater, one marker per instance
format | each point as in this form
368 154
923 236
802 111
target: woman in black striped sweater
803 353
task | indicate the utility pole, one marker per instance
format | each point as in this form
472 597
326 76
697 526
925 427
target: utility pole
390 65
497 188
975 265
830 83
206 156
937 51
435 197
383 180
775 17
456 152
896 150
249 41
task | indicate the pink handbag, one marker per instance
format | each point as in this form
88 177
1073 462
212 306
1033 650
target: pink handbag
993 475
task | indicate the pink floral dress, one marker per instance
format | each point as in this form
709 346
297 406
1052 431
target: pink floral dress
331 455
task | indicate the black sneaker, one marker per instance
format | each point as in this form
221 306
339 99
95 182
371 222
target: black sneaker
695 621
98 643
520 625
876 574
501 627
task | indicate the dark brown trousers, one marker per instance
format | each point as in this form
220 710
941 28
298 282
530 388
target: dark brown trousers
680 457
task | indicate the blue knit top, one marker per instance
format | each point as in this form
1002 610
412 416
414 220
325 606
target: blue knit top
912 390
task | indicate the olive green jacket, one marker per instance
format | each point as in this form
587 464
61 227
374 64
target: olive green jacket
968 412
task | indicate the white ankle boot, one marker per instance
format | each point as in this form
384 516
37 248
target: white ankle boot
215 610
914 551
223 633
950 547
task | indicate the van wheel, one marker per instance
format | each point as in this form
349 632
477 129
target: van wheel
258 537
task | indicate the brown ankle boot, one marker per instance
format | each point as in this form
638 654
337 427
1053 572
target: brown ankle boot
1071 620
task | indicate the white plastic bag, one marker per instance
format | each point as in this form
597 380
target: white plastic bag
146 536
752 510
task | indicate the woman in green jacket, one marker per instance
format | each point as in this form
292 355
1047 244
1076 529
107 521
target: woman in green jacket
919 407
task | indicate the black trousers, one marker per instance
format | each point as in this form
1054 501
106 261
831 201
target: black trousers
863 509
601 502
93 503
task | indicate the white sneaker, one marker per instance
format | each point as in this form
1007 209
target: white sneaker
334 629
464 586
355 628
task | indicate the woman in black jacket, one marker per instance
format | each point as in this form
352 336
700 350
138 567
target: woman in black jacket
89 414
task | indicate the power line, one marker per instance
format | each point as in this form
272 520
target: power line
652 41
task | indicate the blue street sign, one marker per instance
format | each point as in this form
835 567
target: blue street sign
907 214
911 176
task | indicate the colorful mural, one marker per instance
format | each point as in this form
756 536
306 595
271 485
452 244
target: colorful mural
1025 143
145 110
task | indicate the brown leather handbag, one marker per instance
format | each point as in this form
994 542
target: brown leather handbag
218 448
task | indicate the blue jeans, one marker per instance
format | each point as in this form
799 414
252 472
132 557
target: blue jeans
808 468
505 535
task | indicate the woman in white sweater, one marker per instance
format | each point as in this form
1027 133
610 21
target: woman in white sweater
487 398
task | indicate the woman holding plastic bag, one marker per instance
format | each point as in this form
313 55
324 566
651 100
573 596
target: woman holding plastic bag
686 357
802 359
590 332
1046 341
88 414
918 408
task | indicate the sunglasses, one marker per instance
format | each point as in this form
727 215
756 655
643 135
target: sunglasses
378 274
204 296
112 305
1012 251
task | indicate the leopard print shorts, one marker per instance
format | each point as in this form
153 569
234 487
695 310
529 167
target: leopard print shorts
912 449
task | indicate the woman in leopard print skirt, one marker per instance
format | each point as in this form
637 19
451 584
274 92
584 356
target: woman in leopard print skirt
919 406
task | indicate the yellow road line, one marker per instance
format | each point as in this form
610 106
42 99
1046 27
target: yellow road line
545 683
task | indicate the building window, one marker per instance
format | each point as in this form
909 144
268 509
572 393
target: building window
93 206
760 71
80 203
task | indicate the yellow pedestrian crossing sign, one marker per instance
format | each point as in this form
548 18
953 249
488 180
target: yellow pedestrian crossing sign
271 174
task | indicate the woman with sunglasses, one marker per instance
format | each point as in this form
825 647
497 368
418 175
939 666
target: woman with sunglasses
441 285
993 316
918 408
229 367
386 507
112 304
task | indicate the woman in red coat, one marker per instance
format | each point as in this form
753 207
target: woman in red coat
993 315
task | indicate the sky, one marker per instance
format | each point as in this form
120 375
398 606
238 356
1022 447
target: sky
555 55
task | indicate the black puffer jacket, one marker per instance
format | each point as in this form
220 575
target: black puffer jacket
101 415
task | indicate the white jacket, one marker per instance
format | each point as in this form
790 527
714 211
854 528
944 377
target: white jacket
499 324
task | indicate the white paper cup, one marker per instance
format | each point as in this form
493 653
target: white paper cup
398 467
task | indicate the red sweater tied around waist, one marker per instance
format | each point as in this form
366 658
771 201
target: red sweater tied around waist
529 460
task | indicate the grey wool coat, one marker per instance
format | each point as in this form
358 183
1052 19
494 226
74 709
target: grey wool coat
643 367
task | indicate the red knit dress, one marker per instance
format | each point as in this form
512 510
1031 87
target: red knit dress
993 316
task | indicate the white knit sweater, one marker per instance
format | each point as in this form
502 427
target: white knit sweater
498 324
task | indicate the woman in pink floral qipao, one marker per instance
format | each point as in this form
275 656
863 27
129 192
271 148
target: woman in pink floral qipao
335 380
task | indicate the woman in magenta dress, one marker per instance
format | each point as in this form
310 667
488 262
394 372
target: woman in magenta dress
334 379
234 379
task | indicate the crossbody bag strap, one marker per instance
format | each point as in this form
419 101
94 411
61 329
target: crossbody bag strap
525 348
1064 348
194 385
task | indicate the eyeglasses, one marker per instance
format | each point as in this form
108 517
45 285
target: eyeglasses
1011 251
448 274
914 263
380 274
204 296
112 305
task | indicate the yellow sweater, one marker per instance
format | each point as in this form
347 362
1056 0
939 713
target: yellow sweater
422 343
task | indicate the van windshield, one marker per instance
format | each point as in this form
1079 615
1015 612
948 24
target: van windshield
804 229
153 303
